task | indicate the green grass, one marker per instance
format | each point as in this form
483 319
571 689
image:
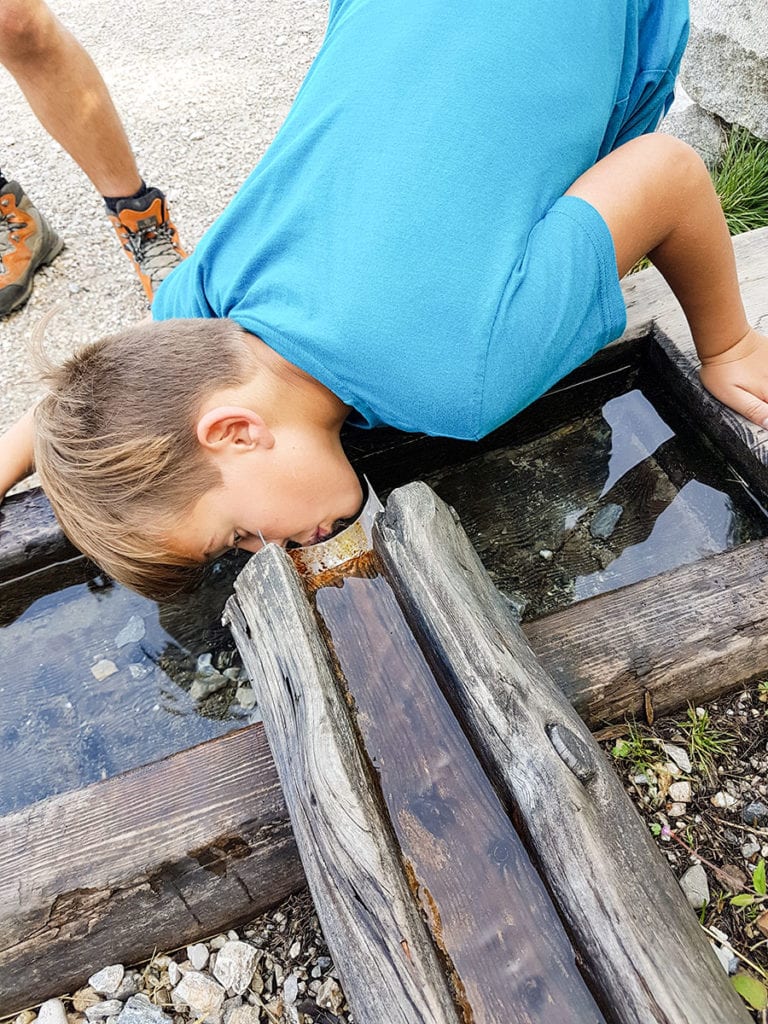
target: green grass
741 181
705 742
640 752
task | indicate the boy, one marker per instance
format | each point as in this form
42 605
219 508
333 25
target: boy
435 236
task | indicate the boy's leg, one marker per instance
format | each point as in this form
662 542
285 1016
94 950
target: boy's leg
657 198
71 100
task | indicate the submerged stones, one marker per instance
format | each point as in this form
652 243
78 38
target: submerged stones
103 669
132 631
605 520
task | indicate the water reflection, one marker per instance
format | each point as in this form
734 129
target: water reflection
619 493
95 680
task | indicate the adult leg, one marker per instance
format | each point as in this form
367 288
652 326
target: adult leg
71 100
657 198
68 94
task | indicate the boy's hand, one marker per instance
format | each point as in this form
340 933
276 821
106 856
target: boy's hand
738 377
16 453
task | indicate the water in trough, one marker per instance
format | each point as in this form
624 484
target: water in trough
597 485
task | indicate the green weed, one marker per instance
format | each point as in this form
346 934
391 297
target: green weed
741 181
705 742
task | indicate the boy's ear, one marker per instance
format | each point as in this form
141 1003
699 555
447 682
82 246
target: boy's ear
236 427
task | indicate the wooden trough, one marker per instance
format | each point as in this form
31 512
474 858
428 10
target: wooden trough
97 876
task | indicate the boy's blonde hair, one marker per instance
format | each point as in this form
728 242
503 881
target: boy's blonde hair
116 445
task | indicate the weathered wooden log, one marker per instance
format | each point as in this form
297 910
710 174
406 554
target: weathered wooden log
381 947
643 949
689 635
162 855
30 536
485 905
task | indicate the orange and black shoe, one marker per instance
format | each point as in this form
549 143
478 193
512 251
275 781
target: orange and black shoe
149 236
27 241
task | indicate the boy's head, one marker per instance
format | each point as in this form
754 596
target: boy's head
161 446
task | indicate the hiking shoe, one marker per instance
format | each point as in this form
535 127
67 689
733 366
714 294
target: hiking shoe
149 236
27 241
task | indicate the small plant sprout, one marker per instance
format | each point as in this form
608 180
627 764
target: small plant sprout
705 742
762 691
637 750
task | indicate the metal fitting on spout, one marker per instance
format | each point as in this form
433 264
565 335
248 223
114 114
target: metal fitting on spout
352 541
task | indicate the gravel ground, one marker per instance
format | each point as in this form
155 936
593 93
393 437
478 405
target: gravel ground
201 98
700 780
275 969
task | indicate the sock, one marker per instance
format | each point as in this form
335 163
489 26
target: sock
112 201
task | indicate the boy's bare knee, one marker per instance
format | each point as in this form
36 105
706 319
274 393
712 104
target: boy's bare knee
675 158
27 29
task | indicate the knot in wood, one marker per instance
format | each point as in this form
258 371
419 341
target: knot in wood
572 751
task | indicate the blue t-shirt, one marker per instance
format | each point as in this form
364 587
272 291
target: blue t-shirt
405 239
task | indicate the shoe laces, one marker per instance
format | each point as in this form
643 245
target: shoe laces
153 249
9 223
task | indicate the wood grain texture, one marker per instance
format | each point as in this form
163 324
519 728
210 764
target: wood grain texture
486 907
691 634
30 536
162 855
653 311
382 950
643 949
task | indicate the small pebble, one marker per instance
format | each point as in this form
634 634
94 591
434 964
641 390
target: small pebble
25 1017
678 755
235 965
695 886
198 955
52 1012
755 813
245 697
677 810
200 992
546 554
104 668
140 1010
604 521
132 632
330 996
291 989
722 799
85 997
107 980
680 792
725 956
100 1011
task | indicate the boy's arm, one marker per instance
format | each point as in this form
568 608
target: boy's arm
17 458
657 198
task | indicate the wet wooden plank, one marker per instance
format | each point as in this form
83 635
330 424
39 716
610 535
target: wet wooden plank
163 855
387 963
487 909
30 536
590 844
653 311
691 634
